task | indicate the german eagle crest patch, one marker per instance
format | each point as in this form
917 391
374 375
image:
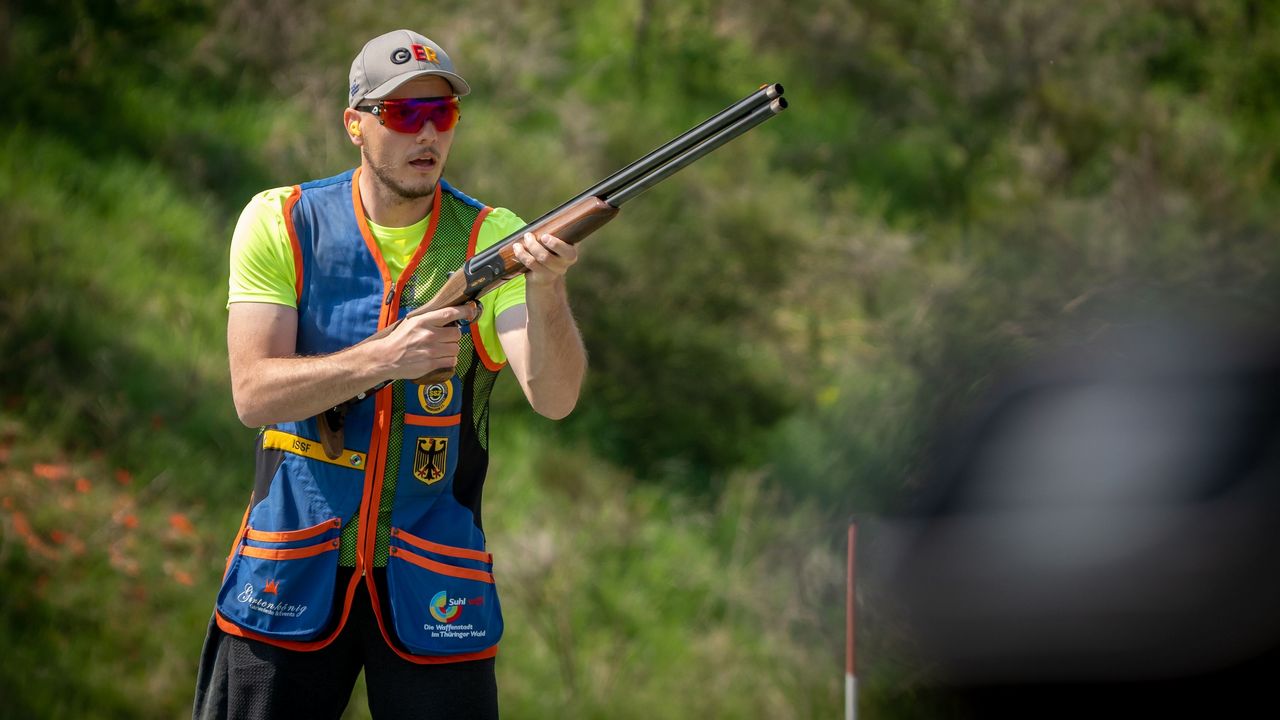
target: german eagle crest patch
429 459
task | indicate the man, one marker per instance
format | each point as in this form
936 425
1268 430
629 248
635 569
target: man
376 559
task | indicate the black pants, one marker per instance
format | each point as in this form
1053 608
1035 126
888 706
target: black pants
246 679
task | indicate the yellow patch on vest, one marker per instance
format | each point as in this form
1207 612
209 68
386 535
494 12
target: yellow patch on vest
278 440
435 399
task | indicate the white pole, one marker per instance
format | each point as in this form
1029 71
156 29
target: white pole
850 697
850 681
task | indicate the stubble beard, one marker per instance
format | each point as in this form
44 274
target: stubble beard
385 177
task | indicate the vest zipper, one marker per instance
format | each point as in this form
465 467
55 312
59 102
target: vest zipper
366 550
369 515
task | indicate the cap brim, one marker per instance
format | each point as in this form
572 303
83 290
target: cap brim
460 86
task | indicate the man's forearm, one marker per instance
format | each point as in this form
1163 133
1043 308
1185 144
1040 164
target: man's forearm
270 384
557 359
295 388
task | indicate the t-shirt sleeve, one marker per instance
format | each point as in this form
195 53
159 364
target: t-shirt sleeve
262 263
500 223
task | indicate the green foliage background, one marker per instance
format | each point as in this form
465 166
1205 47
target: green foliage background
774 334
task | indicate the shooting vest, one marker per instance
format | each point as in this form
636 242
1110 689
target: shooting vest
405 492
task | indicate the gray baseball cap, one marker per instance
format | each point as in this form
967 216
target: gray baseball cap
393 59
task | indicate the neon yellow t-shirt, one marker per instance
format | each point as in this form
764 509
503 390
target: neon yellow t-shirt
262 266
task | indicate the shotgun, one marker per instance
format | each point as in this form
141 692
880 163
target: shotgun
571 222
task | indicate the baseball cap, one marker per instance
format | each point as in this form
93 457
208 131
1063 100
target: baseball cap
393 59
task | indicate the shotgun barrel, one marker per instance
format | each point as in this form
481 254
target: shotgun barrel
656 158
688 156
486 268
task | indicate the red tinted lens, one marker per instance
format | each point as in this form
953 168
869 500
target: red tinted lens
410 114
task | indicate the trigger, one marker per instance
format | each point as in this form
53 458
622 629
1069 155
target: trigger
464 325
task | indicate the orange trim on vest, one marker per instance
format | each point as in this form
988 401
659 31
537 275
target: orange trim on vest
441 568
239 536
475 231
439 549
476 341
367 234
489 363
293 199
294 535
288 553
373 485
372 243
432 421
423 244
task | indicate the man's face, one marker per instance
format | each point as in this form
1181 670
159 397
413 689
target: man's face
408 164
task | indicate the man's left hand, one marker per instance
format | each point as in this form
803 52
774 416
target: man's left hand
547 257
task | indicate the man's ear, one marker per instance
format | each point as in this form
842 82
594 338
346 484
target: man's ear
352 120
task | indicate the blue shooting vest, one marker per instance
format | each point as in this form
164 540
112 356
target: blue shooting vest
405 492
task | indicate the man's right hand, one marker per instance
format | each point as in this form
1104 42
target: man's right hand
271 383
423 344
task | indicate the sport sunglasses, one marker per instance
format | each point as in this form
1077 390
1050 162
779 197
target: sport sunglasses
408 115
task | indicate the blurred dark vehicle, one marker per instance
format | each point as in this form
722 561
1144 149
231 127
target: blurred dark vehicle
1103 537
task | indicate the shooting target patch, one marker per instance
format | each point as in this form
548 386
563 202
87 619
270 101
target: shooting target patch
435 399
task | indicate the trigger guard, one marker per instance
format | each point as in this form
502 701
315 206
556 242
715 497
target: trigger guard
465 325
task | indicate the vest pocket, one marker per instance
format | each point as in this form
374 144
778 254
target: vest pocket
281 584
428 455
443 598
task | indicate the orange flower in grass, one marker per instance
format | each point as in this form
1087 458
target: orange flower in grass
180 576
82 485
70 541
75 545
123 477
121 562
53 472
22 528
181 525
